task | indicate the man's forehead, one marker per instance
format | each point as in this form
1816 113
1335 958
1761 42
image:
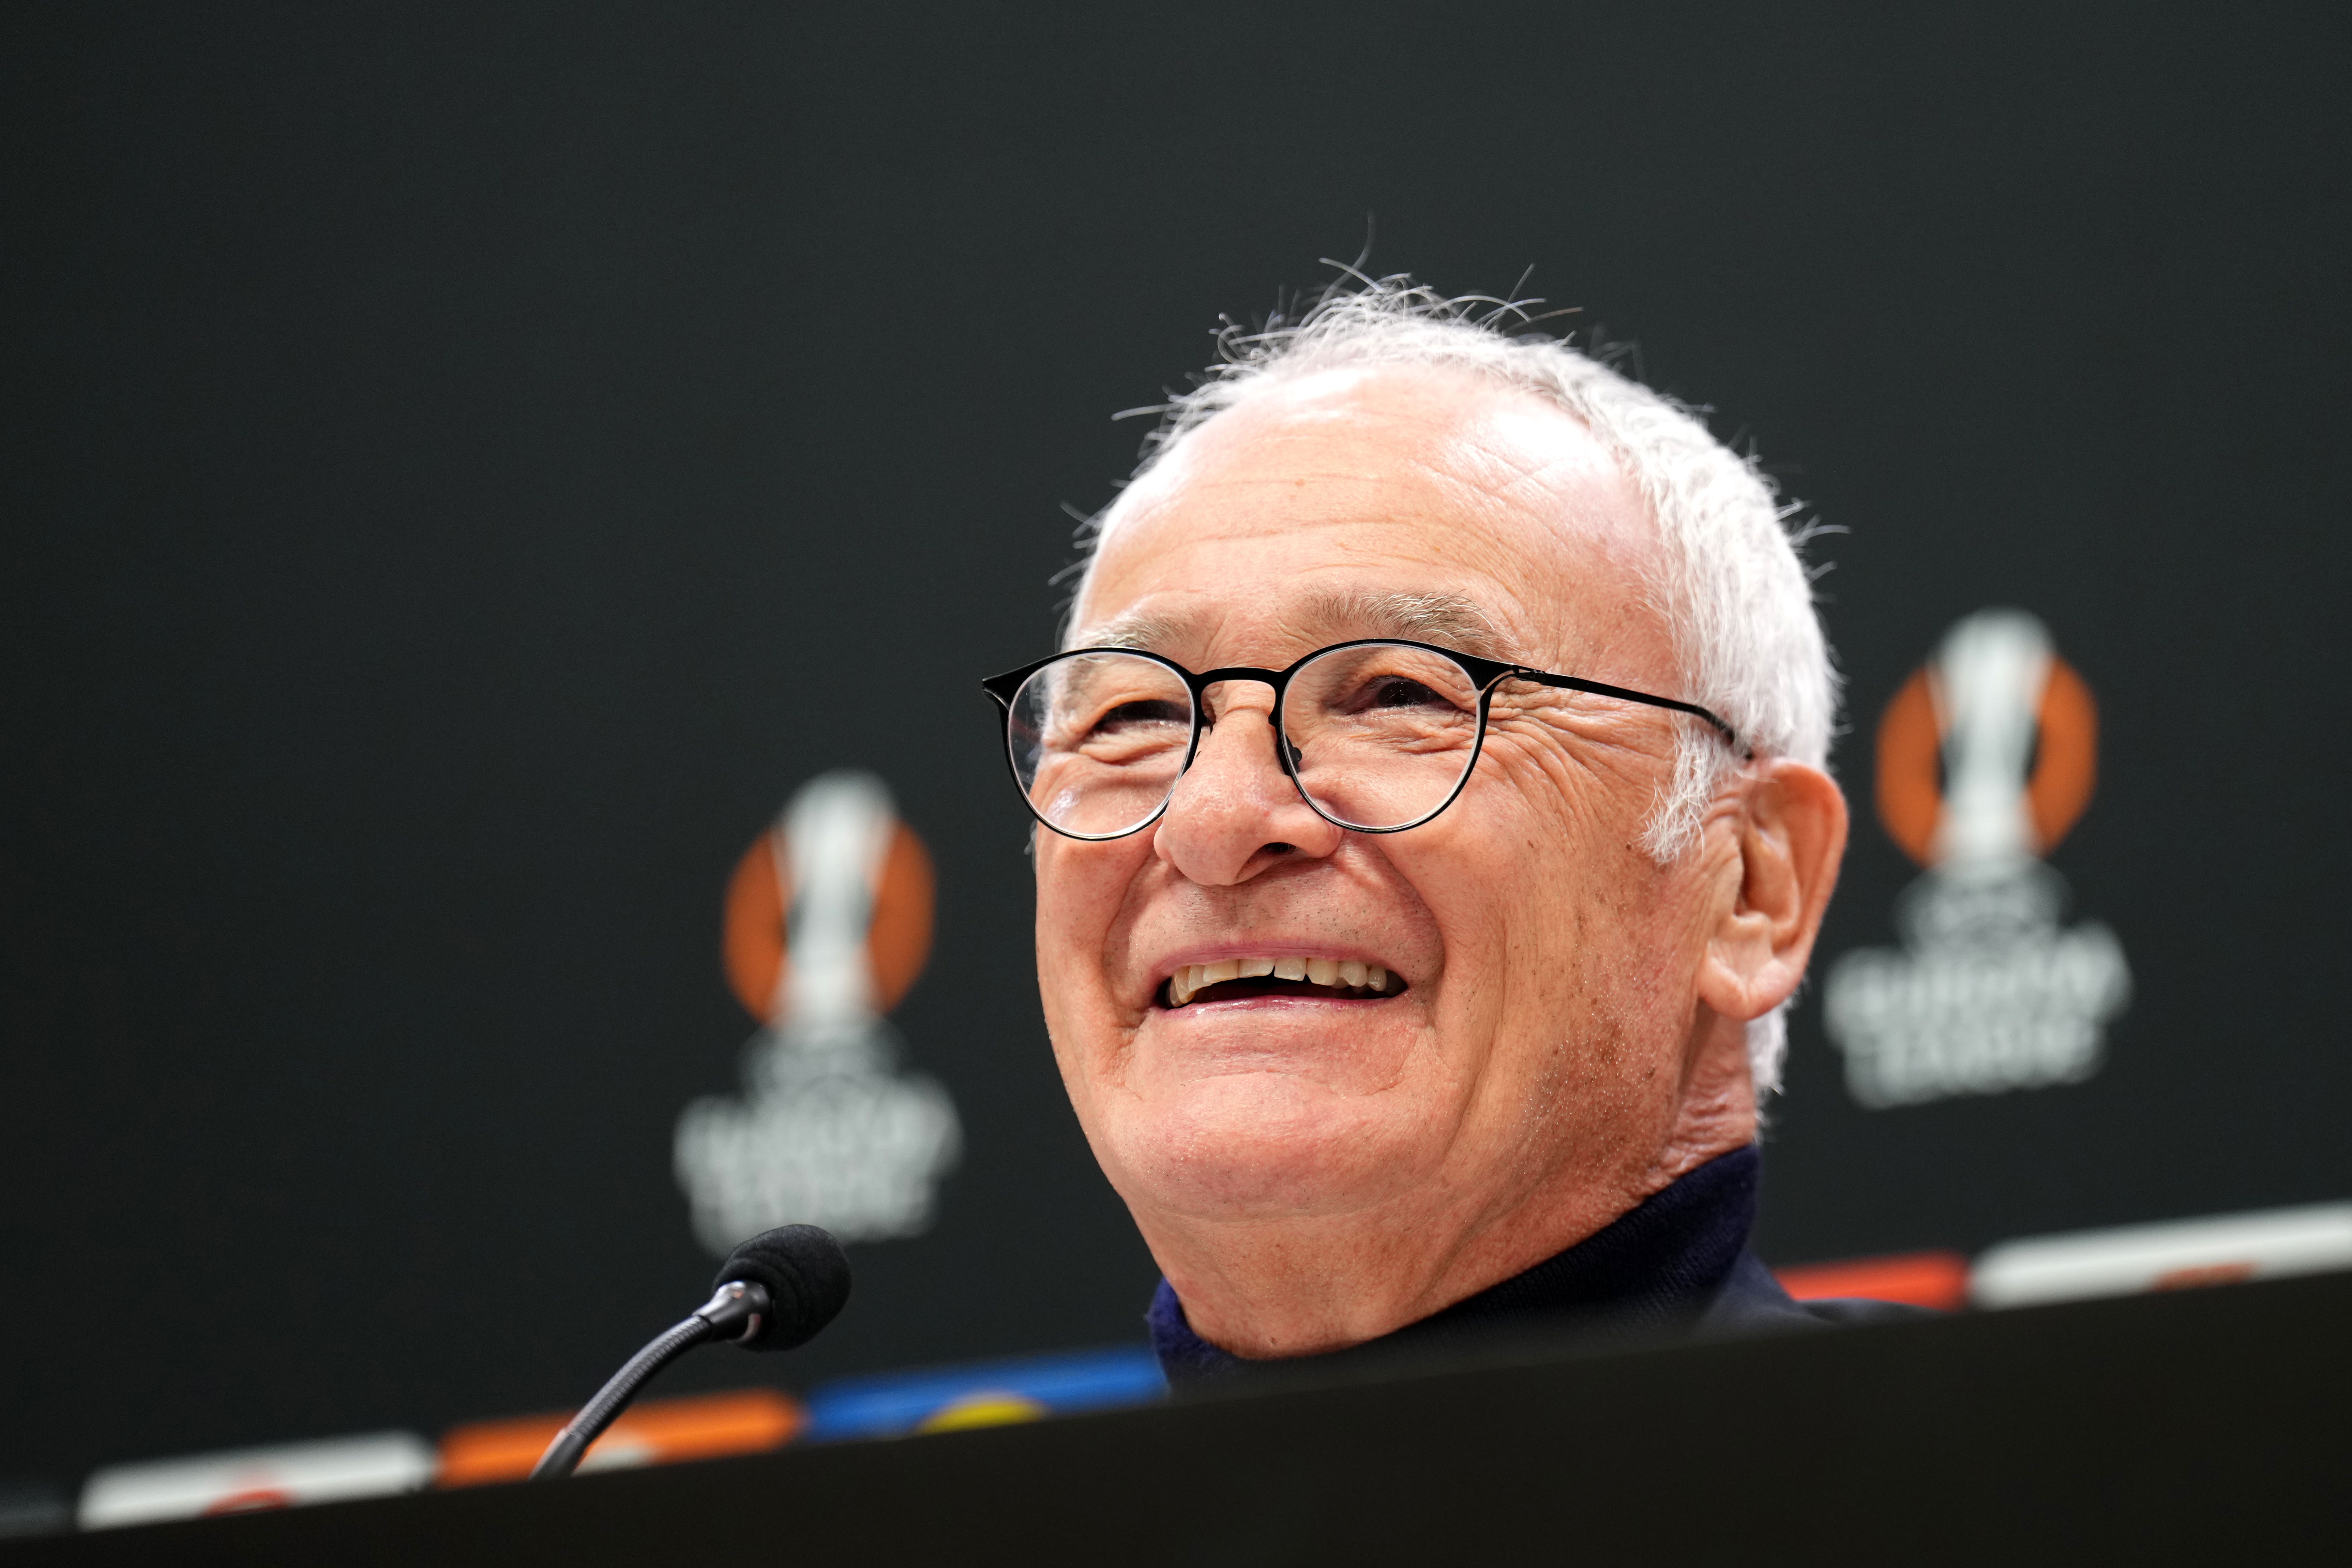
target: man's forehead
1315 617
1438 508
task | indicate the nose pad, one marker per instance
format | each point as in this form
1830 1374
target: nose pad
1287 756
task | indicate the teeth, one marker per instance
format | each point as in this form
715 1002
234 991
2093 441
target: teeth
1349 974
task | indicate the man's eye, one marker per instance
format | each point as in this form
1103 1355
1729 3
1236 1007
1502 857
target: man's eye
1396 691
1147 710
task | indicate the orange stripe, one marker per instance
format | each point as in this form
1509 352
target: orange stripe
1938 1279
702 1427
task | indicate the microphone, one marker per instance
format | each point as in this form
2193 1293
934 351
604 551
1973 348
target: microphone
774 1293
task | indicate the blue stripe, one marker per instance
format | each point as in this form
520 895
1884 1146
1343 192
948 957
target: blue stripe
890 1404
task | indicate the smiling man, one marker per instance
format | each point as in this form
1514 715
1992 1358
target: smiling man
1433 822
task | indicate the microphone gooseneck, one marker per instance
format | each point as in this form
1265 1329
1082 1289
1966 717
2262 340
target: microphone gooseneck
773 1294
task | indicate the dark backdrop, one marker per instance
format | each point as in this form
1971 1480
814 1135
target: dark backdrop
464 466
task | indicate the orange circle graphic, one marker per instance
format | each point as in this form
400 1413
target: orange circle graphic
2068 768
1910 792
755 945
1910 754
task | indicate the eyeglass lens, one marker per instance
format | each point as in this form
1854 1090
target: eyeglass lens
1382 735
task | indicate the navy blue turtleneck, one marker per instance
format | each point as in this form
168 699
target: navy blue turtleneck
1676 1262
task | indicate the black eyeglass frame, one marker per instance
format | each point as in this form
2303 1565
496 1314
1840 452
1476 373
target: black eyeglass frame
1485 674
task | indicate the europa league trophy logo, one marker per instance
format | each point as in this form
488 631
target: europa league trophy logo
1989 990
828 922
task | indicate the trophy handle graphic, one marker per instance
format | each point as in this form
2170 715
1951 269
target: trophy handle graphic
764 899
1986 688
830 852
1989 753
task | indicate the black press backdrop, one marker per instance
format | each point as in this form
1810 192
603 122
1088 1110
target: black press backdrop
465 465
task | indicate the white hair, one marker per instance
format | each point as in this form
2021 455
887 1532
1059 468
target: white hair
1730 583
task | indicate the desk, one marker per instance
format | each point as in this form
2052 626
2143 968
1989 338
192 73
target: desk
2206 1425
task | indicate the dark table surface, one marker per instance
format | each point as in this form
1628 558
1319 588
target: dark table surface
2206 1425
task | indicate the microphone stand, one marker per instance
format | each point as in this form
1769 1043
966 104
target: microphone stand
737 1311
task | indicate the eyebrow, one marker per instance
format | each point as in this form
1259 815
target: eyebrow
1449 620
1142 630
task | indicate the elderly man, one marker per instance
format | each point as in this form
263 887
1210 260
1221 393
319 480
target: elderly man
1436 822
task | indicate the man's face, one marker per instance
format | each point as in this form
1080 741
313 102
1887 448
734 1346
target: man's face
1533 1060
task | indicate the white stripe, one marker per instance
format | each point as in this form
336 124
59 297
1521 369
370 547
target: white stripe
2268 1244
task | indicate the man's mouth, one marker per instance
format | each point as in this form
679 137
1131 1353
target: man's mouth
1233 979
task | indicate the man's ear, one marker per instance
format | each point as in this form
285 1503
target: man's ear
1791 827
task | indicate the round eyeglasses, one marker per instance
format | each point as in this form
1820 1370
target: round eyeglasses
1378 735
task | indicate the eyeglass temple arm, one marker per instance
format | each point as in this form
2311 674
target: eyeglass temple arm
1600 688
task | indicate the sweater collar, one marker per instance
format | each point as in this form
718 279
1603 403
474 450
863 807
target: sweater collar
1659 1263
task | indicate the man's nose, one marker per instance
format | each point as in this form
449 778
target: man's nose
1236 812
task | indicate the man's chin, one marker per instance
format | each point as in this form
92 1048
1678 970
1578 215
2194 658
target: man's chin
1270 1145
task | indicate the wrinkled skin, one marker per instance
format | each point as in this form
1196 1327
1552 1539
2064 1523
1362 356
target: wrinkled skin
1314 1173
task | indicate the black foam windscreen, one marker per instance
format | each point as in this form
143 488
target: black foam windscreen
807 1278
